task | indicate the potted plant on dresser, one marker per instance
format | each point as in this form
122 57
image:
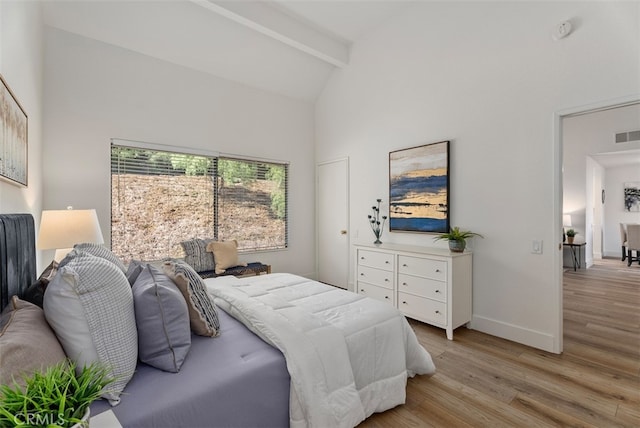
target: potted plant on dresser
58 397
457 238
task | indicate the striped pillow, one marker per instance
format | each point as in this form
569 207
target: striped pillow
203 316
196 254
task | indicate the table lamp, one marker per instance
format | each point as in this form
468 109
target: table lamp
62 229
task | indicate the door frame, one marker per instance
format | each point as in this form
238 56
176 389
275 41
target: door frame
347 214
558 118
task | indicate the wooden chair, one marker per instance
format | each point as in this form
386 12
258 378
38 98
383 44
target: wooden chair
623 239
633 243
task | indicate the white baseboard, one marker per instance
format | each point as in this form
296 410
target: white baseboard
515 333
616 254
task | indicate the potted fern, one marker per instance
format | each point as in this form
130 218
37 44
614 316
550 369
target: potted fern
457 238
571 233
59 397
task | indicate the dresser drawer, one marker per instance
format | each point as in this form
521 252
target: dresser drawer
382 278
375 259
423 309
429 268
424 287
375 292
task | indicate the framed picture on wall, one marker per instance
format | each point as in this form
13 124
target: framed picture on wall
419 189
13 137
632 196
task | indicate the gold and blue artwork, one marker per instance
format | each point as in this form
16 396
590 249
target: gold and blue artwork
419 189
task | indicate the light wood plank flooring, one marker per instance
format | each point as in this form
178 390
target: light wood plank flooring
484 381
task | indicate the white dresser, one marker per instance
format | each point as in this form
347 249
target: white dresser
429 284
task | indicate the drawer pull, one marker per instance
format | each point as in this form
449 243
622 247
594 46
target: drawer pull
437 270
404 265
361 274
437 312
386 261
437 291
386 297
362 290
386 280
404 283
361 257
404 303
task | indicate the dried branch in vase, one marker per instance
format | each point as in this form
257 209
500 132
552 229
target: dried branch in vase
374 221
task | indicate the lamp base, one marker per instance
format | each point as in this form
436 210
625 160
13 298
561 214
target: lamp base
61 254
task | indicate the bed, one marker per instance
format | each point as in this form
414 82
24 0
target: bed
292 352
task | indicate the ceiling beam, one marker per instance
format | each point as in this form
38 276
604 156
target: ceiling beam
261 17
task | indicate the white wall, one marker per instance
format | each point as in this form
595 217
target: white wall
614 179
95 92
491 85
21 67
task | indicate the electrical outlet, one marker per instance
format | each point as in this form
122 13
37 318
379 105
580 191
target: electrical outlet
536 246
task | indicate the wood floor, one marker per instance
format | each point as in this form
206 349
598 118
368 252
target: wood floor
483 381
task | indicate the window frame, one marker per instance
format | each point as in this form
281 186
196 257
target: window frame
213 172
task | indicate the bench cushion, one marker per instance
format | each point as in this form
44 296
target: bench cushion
254 268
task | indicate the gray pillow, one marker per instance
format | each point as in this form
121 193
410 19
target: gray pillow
196 255
89 305
27 343
203 315
101 251
162 318
134 269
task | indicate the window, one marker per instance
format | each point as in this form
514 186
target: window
160 198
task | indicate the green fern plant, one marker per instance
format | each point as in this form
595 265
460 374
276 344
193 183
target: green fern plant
56 398
457 235
457 238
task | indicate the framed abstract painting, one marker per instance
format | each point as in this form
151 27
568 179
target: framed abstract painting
13 137
419 189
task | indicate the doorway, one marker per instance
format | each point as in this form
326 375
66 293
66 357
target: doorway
568 157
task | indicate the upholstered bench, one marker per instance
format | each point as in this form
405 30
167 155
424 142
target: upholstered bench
255 268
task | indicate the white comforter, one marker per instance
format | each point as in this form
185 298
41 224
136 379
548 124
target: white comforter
348 356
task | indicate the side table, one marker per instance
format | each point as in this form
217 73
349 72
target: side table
575 248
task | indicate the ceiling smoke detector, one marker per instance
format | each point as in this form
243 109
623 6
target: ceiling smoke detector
562 30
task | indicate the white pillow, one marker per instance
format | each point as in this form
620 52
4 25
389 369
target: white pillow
89 305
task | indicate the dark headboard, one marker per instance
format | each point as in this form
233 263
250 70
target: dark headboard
17 255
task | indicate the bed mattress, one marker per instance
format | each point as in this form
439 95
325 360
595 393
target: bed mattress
348 356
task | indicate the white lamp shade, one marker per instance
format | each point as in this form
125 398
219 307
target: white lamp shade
65 228
566 220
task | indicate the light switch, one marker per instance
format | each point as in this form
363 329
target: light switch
536 246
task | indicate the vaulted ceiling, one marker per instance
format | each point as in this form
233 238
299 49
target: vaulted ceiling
287 47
